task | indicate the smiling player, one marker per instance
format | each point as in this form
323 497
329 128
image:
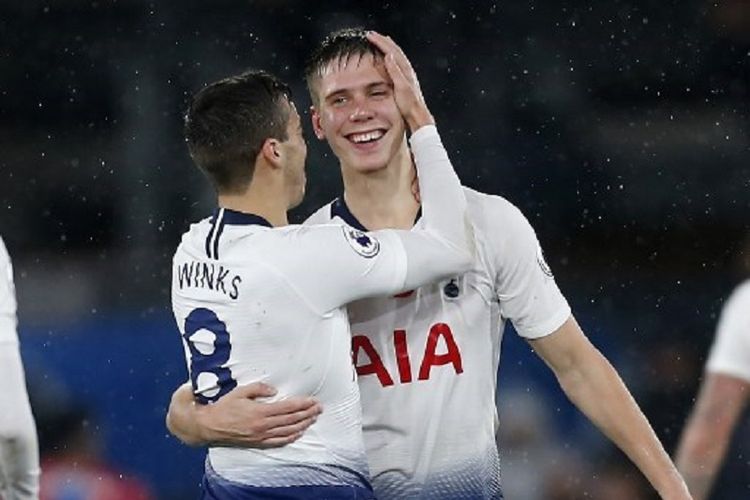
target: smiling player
427 359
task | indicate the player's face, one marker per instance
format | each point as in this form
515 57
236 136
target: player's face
357 113
295 152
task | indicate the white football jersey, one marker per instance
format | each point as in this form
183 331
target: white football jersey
257 303
427 360
730 353
250 307
7 298
19 449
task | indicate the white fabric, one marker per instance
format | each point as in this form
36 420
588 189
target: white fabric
7 298
429 426
730 353
279 293
19 451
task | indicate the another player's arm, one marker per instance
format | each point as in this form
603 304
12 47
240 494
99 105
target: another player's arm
19 449
593 385
444 246
238 419
706 437
441 195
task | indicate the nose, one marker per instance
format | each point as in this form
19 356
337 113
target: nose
361 112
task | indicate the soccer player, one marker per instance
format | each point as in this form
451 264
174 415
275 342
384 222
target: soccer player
427 359
19 451
256 299
723 395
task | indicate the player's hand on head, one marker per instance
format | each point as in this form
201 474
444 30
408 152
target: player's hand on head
406 89
238 419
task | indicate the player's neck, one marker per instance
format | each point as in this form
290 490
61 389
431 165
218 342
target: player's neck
383 199
270 208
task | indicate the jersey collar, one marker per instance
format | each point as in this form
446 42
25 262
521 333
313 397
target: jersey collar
340 209
235 218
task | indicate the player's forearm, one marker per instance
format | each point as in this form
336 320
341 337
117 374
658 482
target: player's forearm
443 199
698 458
182 418
705 440
597 390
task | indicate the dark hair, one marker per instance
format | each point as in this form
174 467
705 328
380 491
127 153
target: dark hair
339 45
228 121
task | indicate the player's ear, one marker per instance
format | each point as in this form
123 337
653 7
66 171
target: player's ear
315 117
271 151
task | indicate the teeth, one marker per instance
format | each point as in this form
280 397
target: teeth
367 136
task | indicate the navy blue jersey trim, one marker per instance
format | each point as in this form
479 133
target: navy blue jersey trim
235 218
339 208
219 230
220 218
209 238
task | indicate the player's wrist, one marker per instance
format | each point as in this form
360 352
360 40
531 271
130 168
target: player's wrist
202 430
419 118
674 488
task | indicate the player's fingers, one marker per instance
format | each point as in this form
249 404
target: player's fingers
388 46
279 441
291 406
292 418
252 391
289 430
395 72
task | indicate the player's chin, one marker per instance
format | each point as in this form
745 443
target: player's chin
371 160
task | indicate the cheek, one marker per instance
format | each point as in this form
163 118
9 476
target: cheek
333 120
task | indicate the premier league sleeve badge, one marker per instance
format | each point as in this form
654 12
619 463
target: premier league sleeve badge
364 244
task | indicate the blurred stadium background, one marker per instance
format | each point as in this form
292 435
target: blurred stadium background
620 128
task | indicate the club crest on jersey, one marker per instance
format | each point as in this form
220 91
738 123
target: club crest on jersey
451 289
543 263
364 244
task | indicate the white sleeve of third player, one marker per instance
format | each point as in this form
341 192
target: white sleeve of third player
343 264
7 298
525 285
19 452
730 353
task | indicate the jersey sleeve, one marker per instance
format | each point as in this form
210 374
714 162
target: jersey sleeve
525 286
388 261
19 453
330 265
7 298
730 352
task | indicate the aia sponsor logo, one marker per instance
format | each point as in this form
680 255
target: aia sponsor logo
368 361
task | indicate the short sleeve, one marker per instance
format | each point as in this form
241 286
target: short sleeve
331 265
730 352
526 289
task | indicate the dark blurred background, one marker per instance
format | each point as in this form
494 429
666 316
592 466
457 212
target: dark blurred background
620 128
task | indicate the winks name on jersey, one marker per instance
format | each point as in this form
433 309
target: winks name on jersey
209 276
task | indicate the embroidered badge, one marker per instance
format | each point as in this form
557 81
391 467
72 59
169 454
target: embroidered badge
543 263
364 244
452 290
